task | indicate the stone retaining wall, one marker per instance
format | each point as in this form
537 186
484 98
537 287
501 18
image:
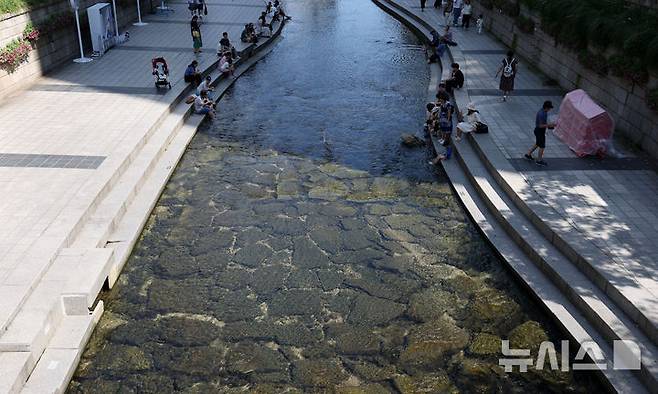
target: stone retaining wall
625 101
59 47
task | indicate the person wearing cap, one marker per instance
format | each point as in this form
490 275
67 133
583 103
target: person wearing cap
541 124
470 122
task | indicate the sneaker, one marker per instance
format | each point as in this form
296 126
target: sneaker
527 156
541 163
441 141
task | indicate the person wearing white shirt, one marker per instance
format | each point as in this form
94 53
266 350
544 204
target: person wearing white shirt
205 87
456 11
204 106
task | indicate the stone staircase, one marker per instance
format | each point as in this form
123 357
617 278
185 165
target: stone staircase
46 320
583 301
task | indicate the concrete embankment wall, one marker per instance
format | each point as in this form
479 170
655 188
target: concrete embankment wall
60 45
624 100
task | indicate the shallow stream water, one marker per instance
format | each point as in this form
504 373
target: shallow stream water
299 248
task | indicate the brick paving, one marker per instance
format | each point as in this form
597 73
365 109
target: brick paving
613 203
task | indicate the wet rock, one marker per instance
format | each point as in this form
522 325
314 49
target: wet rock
359 257
328 239
267 280
302 278
327 373
187 331
372 372
330 279
336 210
176 263
528 335
126 359
216 241
295 302
295 334
165 295
429 343
485 344
328 190
134 333
341 302
254 359
389 187
411 141
358 341
357 240
233 278
100 386
372 388
198 361
149 383
274 389
369 310
211 263
253 255
307 255
235 306
286 226
249 237
493 311
404 221
431 304
379 209
288 189
235 218
429 383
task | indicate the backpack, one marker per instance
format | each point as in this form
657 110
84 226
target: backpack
508 70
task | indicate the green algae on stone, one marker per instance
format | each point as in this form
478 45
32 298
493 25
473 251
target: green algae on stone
327 373
431 304
485 344
429 343
374 311
528 335
434 383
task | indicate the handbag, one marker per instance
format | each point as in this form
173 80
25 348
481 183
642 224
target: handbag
481 128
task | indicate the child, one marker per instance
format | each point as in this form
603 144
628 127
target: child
480 23
430 119
445 119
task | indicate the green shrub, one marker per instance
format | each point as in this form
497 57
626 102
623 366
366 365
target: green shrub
594 61
11 6
525 24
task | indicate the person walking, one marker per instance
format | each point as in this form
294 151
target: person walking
456 11
467 11
422 5
447 11
507 73
541 124
197 43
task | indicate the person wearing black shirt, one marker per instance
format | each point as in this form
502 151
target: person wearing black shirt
456 80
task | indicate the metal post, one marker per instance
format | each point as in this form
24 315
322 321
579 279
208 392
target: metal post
139 16
82 58
116 22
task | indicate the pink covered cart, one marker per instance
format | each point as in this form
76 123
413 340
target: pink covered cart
583 125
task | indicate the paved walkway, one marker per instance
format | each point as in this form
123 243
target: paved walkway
65 139
611 204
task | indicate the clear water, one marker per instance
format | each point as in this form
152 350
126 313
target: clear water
299 248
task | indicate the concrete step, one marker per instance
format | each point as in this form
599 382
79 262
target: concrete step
568 317
86 281
15 367
637 305
56 366
34 324
601 311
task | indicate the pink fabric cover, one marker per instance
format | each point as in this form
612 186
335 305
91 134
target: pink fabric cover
583 125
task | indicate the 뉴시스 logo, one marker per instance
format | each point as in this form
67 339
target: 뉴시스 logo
626 355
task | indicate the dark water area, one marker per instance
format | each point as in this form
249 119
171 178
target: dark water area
299 248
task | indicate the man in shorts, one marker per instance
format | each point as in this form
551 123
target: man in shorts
541 124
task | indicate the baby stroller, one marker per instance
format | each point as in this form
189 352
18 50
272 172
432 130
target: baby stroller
160 72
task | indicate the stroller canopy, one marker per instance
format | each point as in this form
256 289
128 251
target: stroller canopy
160 61
583 125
